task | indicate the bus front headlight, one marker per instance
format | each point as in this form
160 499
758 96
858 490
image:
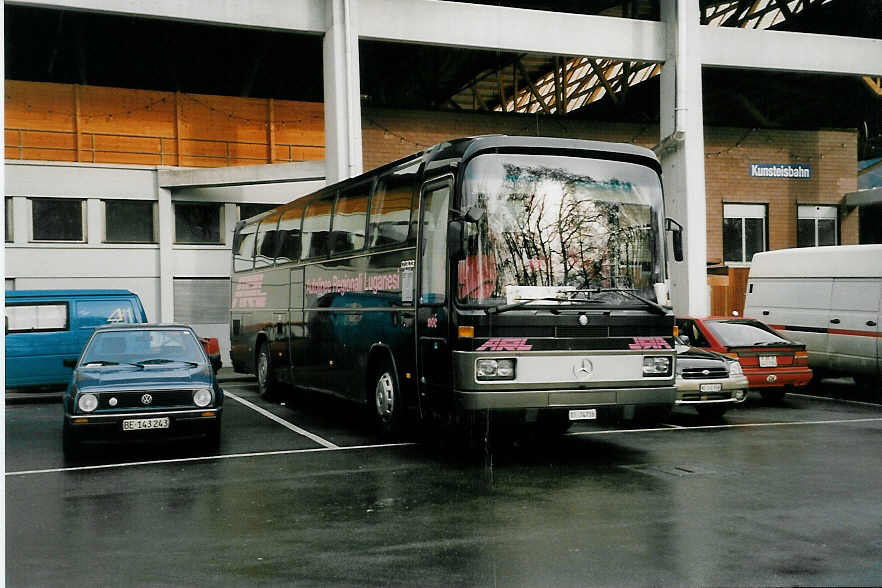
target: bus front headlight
495 369
656 366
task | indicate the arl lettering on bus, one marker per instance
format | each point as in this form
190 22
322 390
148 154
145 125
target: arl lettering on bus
649 343
505 344
249 293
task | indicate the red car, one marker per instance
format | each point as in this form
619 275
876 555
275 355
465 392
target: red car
772 363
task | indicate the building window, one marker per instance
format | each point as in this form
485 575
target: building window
198 223
57 219
816 226
744 231
9 235
129 221
248 210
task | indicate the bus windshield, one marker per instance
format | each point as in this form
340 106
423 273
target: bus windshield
560 221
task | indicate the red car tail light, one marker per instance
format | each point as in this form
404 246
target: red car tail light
800 358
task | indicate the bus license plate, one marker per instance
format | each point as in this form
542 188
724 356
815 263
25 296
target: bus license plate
710 387
768 361
144 424
583 415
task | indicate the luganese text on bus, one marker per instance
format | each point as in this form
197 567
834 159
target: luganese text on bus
524 276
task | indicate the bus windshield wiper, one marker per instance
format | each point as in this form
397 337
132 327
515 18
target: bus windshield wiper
521 303
657 308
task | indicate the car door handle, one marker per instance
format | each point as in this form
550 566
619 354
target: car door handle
834 321
765 313
871 323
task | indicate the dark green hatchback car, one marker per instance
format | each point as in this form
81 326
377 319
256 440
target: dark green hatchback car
142 382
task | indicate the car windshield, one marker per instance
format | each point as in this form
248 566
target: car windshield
745 333
147 346
559 222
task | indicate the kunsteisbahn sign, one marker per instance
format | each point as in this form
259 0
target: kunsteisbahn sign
796 171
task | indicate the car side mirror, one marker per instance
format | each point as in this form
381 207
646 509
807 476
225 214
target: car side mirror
70 362
677 230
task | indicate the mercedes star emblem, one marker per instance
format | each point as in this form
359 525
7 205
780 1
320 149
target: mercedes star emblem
583 369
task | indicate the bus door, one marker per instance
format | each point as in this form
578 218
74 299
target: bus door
432 324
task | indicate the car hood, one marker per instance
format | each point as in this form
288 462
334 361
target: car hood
695 357
121 377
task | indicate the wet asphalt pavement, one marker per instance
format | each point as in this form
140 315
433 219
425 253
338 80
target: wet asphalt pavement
306 494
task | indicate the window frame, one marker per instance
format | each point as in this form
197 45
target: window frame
154 222
743 207
220 223
833 208
84 228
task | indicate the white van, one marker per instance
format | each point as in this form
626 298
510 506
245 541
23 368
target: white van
828 298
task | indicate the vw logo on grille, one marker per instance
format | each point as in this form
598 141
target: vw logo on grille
146 399
583 369
583 319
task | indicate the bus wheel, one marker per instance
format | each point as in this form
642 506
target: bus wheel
264 380
388 407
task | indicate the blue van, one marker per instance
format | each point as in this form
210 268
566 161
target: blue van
46 327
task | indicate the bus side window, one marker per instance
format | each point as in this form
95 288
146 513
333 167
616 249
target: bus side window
317 227
289 235
349 219
265 246
243 248
391 208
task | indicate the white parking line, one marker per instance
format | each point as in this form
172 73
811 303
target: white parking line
203 458
777 424
281 421
829 399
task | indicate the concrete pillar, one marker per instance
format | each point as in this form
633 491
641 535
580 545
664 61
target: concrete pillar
166 259
681 149
94 221
342 92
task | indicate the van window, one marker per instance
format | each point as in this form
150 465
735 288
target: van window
289 234
94 313
391 209
317 226
265 247
26 318
350 216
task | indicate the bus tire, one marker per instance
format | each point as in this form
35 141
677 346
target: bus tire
265 385
388 405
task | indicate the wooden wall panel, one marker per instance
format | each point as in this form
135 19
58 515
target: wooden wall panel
127 112
39 106
62 122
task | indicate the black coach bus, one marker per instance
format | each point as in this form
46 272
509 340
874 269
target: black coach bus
519 275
